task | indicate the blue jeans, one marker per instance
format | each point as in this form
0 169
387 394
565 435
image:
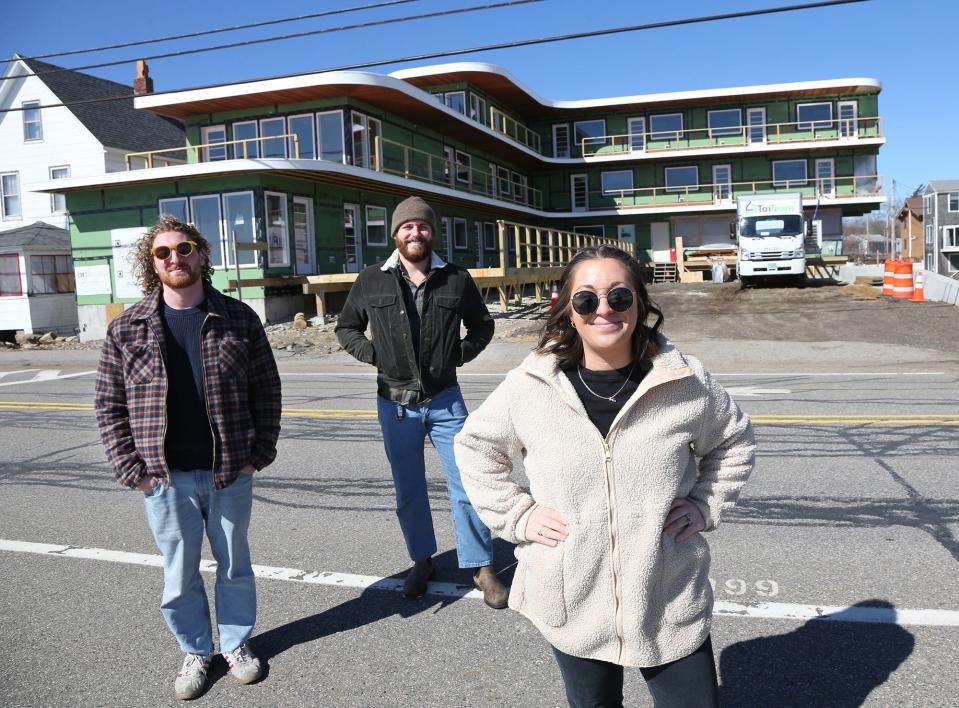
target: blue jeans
404 432
177 517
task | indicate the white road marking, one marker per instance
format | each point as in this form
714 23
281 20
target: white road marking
763 610
833 373
44 375
753 391
10 373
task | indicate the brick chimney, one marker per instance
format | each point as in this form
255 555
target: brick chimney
142 83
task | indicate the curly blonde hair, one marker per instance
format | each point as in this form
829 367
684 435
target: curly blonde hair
142 258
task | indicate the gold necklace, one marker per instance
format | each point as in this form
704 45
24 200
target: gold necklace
611 399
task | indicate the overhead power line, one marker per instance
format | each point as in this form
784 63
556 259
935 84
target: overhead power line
232 28
505 45
277 38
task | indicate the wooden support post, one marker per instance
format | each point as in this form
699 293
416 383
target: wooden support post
321 303
503 298
501 234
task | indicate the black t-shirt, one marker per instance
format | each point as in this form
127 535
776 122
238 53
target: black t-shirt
607 384
189 439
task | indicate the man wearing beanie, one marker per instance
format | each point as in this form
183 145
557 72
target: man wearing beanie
415 302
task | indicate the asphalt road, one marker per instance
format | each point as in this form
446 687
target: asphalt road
852 513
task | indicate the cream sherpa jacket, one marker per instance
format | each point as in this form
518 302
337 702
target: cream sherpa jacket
618 589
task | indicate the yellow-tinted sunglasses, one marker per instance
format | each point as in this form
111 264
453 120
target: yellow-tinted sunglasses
184 249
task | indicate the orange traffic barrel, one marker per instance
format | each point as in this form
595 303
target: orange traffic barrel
917 291
902 280
887 276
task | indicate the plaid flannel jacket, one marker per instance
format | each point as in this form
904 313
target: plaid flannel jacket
241 387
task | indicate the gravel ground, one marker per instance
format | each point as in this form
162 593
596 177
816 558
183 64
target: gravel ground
696 311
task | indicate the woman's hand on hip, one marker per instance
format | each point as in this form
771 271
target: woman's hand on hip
545 526
684 519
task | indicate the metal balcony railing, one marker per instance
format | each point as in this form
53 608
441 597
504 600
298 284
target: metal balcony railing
725 193
732 136
386 156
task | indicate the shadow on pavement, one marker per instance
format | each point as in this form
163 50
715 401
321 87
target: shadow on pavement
374 605
823 663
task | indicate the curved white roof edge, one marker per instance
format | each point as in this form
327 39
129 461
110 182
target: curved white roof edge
245 88
483 67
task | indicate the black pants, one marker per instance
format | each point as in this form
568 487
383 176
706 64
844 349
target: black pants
689 682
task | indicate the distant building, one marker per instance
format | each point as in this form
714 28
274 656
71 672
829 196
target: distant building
293 178
37 285
940 217
84 140
910 241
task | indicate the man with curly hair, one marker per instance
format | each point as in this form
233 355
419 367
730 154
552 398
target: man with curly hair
188 407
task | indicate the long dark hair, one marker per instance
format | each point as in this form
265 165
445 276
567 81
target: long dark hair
561 338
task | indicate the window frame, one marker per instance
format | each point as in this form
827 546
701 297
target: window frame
576 141
464 167
655 134
54 198
952 229
681 188
790 182
312 131
814 123
449 94
366 225
186 204
29 107
19 274
725 131
225 198
50 279
489 236
251 150
264 139
503 175
952 197
637 139
207 151
284 247
216 240
460 221
18 195
320 154
556 152
611 192
474 108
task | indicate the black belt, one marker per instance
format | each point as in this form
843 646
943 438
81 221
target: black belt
402 396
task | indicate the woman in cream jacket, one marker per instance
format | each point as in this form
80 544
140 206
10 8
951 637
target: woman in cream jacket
631 450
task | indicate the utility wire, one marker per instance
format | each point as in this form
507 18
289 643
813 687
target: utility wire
506 45
277 38
232 28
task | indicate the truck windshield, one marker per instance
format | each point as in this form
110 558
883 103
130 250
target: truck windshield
779 225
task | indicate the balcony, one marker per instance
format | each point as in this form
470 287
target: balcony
386 156
722 195
511 128
731 137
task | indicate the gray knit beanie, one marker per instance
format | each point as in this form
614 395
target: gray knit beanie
412 208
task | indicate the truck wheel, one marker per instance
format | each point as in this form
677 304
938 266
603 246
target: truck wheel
746 282
801 280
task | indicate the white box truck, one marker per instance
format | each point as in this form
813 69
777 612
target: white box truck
770 234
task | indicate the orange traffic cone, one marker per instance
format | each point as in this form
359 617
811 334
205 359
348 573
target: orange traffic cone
917 293
554 296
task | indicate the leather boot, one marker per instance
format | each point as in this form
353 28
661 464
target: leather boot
495 594
415 584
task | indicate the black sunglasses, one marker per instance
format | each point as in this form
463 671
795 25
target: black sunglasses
586 302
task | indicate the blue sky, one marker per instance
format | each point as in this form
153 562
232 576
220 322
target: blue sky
908 46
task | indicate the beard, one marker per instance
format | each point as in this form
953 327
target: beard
415 250
183 278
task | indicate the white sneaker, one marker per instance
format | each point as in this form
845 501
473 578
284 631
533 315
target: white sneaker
244 665
191 680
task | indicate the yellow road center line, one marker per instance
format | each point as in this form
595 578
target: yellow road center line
765 419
